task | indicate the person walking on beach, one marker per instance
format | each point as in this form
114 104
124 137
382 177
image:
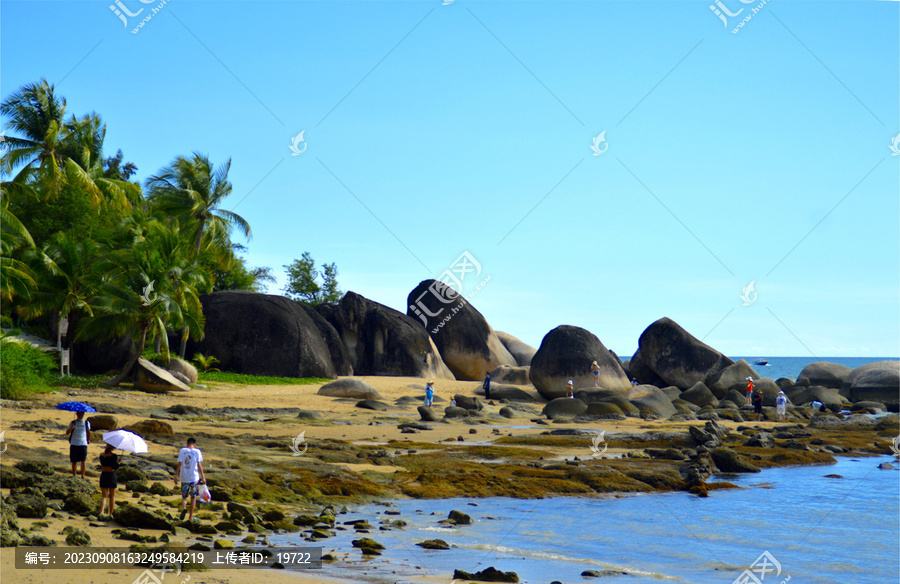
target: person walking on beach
570 389
109 482
79 433
487 385
595 369
780 405
190 472
757 399
429 393
749 389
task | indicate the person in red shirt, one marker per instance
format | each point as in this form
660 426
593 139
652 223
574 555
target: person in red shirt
749 389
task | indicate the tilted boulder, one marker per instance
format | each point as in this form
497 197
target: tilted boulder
155 379
566 353
261 334
678 357
467 343
383 341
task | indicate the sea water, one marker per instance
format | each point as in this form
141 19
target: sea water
817 529
792 366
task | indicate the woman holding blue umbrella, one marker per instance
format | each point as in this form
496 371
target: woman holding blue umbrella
79 433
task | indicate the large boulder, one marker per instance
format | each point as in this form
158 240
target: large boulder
176 365
640 372
848 381
727 460
467 343
513 375
513 394
567 353
103 422
522 352
824 374
563 407
155 379
732 377
349 387
827 395
150 428
769 390
650 397
261 334
382 341
879 384
135 516
100 356
678 357
699 395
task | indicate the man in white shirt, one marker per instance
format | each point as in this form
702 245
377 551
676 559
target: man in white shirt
190 472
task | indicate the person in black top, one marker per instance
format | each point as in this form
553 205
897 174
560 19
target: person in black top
109 462
487 385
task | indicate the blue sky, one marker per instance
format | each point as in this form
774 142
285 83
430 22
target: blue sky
432 130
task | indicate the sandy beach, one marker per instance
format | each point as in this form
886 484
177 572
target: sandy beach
243 443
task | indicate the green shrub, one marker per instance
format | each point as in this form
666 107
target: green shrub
244 379
24 370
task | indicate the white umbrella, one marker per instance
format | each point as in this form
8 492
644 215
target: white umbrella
125 440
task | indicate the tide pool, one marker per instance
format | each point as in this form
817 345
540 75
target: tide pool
819 530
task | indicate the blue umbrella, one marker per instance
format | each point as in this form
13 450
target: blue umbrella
75 407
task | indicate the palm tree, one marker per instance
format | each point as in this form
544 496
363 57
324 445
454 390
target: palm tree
16 277
53 152
67 268
148 287
192 190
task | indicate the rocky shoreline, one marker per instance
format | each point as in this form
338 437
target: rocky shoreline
356 455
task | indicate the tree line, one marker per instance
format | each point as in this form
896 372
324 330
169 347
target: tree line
80 238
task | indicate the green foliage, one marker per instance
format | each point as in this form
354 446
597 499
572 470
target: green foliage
25 370
243 379
303 282
79 381
235 275
205 363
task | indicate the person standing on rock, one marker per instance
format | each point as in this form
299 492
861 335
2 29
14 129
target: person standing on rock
757 399
487 385
595 369
749 389
109 482
570 389
79 433
429 393
190 472
780 405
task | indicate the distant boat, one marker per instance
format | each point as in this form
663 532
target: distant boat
762 362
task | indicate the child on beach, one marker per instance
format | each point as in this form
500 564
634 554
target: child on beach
570 389
780 405
429 393
595 369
